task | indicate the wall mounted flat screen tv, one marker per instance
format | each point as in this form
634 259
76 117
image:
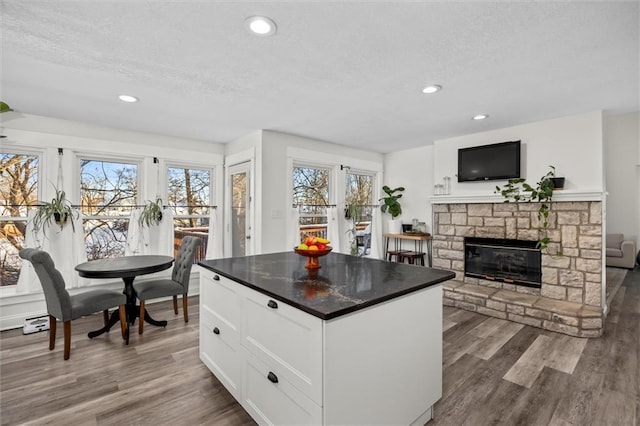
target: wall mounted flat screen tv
489 162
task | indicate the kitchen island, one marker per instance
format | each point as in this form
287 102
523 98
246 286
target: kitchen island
358 341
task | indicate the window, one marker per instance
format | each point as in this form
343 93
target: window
108 192
18 190
189 196
359 192
311 193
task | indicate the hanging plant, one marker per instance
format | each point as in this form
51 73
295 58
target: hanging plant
151 213
57 211
353 212
519 190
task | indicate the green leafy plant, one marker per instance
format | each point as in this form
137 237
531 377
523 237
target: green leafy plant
151 213
391 204
57 211
518 190
4 107
353 212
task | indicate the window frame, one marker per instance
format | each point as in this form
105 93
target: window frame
189 165
139 161
331 184
8 290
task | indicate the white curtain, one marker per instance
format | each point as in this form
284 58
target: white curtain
334 229
65 246
152 239
377 251
293 230
214 241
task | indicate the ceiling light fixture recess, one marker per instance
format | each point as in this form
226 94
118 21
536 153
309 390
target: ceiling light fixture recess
128 98
480 116
260 25
432 88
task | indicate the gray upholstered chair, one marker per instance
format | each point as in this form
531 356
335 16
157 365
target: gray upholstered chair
178 284
65 307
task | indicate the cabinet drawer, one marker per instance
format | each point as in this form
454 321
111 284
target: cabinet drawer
220 294
219 350
271 399
286 339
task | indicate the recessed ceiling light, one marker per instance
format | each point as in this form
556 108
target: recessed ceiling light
433 88
480 116
260 25
128 98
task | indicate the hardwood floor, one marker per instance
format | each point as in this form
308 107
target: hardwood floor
498 372
495 372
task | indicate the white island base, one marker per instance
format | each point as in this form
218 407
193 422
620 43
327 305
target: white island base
378 365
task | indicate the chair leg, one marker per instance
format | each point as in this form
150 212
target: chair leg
52 332
185 309
141 319
67 339
105 316
124 326
175 304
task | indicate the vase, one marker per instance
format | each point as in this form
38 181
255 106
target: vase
558 182
394 226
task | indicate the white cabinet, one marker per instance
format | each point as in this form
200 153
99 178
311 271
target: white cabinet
287 339
220 306
270 398
378 365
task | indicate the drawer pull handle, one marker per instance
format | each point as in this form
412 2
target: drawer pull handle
272 377
216 330
216 278
272 304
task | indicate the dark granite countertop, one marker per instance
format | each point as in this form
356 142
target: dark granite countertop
344 284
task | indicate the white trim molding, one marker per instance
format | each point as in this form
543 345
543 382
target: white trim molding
559 195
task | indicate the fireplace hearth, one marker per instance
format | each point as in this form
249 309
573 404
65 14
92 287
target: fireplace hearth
515 262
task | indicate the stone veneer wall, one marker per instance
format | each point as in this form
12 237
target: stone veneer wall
569 300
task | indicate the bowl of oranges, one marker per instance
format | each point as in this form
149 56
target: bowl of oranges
312 248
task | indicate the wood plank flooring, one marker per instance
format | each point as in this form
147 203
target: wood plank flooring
495 373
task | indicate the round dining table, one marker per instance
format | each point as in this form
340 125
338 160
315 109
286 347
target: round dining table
127 268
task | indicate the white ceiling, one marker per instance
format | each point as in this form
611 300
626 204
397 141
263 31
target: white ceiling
349 72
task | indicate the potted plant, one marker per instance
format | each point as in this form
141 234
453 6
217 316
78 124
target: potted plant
519 190
57 211
392 206
151 213
353 212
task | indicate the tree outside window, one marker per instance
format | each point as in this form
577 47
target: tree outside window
108 192
310 193
359 192
18 191
188 195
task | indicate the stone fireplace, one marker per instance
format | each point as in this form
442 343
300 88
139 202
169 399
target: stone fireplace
568 296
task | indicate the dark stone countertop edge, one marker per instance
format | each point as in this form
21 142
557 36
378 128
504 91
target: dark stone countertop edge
339 312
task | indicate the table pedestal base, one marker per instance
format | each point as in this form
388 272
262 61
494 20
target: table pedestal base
133 312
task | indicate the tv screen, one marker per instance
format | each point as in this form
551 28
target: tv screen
489 162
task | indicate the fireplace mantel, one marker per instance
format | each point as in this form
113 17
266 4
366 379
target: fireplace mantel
559 195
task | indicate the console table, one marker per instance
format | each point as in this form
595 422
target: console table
418 240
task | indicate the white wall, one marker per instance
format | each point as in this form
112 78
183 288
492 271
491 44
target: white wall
572 144
276 195
412 169
622 160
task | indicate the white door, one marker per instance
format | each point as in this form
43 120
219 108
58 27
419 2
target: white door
240 215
